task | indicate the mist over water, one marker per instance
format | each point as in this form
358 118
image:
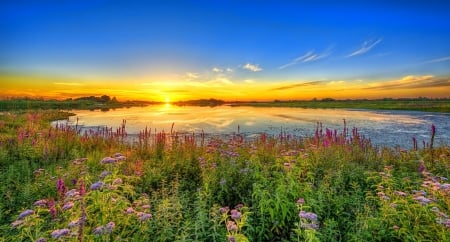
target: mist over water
391 128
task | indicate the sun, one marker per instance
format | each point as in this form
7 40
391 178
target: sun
167 100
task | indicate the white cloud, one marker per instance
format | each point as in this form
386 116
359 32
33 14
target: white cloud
249 81
191 76
229 70
252 67
307 57
447 58
366 46
69 83
217 70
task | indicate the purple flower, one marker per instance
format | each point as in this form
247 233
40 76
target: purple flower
42 239
422 200
67 206
224 210
74 223
146 206
145 216
59 233
72 193
121 157
308 215
235 214
108 160
104 174
40 203
402 194
110 226
129 210
231 226
231 239
99 230
96 186
117 181
61 186
301 201
25 213
17 223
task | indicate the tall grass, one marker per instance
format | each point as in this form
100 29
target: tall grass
58 183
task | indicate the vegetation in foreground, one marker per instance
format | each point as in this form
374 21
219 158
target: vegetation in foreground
58 184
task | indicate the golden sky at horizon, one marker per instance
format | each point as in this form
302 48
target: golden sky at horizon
190 87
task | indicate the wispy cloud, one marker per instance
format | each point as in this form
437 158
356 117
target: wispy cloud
412 82
365 47
313 83
229 70
69 83
447 58
252 67
217 70
189 76
307 57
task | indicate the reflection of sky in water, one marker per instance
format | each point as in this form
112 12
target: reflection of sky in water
382 127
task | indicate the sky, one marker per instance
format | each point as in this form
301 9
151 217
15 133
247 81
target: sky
230 50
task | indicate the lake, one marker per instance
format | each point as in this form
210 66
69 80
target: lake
390 128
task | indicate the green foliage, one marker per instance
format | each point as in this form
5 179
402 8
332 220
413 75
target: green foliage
169 188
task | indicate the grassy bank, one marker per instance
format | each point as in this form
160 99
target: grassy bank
57 184
426 105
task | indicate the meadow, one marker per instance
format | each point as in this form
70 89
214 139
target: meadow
59 184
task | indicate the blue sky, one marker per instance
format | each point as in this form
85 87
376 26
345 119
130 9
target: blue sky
261 41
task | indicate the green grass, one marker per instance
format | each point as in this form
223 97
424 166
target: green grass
170 187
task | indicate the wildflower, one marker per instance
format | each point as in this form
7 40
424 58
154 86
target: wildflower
308 215
395 227
421 168
224 210
146 216
96 186
402 194
146 206
117 181
61 186
51 207
17 223
110 226
25 213
235 214
67 206
72 193
422 200
41 239
74 223
129 210
310 226
104 174
223 181
121 157
40 203
301 201
59 233
99 230
445 186
82 188
108 160
231 239
231 226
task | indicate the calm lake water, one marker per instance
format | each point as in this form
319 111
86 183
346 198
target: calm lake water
382 127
